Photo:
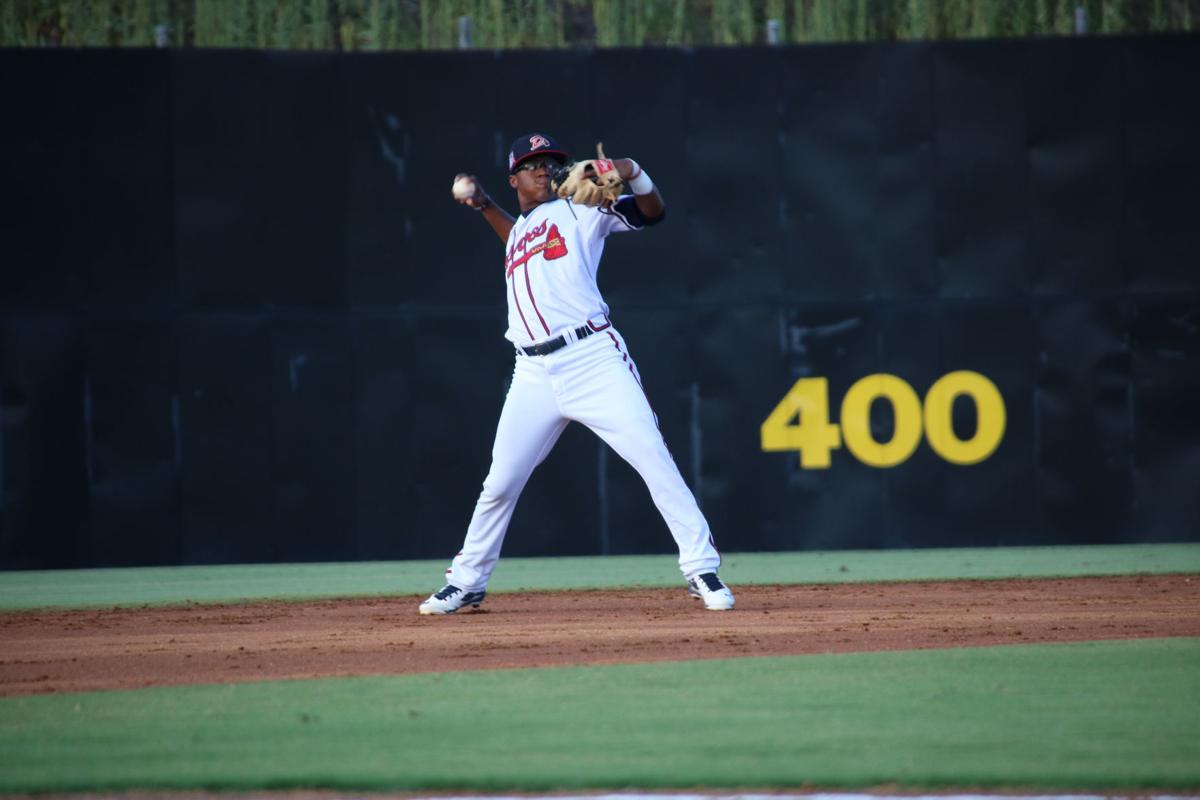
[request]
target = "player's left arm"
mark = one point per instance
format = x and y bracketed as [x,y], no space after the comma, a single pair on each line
[645,194]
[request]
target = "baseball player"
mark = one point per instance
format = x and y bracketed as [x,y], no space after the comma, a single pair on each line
[571,362]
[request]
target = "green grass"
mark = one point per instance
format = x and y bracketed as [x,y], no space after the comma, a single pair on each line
[1113,715]
[174,585]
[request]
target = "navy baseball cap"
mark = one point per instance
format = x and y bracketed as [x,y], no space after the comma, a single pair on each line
[533,144]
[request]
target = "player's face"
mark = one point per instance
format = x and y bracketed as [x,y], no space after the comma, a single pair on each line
[532,179]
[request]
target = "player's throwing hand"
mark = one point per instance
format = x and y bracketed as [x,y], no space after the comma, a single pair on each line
[469,191]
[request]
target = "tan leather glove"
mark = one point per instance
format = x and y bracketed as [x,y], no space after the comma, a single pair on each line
[594,182]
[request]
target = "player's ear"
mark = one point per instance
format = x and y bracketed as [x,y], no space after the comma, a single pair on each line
[512,181]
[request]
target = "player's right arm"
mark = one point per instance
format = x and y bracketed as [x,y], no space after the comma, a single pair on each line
[500,220]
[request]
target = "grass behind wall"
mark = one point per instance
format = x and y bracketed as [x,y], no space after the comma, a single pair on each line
[375,25]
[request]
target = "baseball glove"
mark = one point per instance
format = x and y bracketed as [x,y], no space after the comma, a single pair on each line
[594,182]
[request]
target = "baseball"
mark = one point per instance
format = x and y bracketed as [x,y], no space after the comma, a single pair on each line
[463,188]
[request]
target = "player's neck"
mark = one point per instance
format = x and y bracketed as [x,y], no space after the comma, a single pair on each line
[528,204]
[533,195]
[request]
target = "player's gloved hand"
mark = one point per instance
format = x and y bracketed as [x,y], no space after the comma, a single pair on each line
[594,182]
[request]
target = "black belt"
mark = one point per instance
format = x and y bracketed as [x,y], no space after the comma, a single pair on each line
[557,343]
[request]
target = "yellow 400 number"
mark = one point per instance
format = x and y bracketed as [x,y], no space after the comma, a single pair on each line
[807,404]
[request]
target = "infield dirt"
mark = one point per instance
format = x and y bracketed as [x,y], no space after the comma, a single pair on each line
[123,648]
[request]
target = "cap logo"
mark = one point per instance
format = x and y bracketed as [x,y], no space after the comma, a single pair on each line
[538,141]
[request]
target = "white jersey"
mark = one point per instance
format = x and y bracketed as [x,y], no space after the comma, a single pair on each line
[550,264]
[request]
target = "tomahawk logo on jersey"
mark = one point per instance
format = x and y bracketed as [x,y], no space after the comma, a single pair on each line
[550,248]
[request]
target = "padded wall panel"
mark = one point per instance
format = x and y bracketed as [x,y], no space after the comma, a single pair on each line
[132,404]
[413,123]
[1075,176]
[312,400]
[125,219]
[227,439]
[1161,167]
[260,179]
[387,387]
[735,168]
[1083,406]
[46,188]
[87,203]
[827,207]
[981,169]
[1165,340]
[998,342]
[905,198]
[45,458]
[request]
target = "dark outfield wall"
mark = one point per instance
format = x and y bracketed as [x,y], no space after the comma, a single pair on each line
[242,319]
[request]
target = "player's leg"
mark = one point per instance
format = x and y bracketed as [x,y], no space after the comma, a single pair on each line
[529,426]
[606,395]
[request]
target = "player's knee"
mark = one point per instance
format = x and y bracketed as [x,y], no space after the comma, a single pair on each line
[502,485]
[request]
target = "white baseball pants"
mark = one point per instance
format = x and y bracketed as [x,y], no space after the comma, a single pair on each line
[592,381]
